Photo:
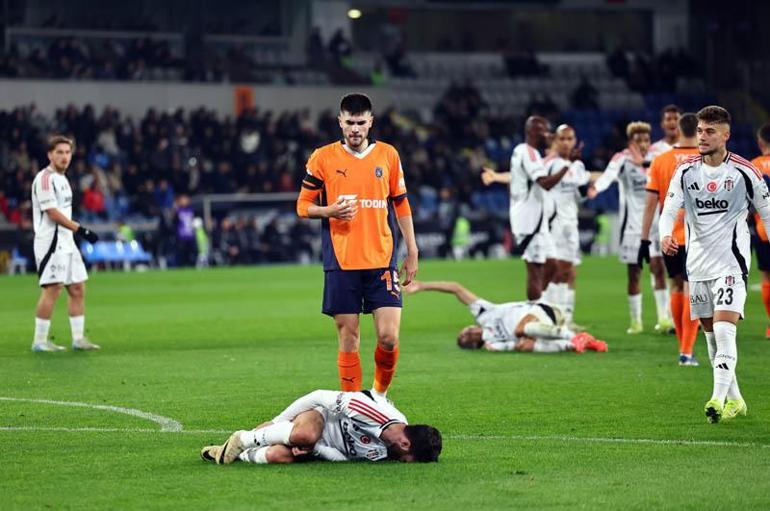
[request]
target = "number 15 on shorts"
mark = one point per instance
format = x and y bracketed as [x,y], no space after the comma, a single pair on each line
[390,277]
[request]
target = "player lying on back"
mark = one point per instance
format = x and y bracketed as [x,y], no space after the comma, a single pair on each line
[333,426]
[512,326]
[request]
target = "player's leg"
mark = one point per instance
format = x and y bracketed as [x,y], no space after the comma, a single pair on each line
[76,302]
[387,323]
[634,299]
[535,281]
[550,281]
[535,254]
[348,357]
[49,293]
[762,249]
[657,269]
[343,297]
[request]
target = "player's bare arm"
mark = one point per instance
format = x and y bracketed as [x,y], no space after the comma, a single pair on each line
[548,182]
[343,209]
[464,295]
[409,266]
[490,176]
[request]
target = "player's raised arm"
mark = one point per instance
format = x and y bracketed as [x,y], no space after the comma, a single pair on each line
[490,176]
[674,202]
[609,176]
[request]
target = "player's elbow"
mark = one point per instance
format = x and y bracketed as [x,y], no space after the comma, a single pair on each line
[302,208]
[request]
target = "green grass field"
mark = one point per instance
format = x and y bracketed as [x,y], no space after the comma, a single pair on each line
[224,349]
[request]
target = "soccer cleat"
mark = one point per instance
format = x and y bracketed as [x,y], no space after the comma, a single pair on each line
[580,341]
[665,325]
[635,328]
[210,452]
[713,410]
[231,450]
[767,333]
[733,408]
[688,361]
[85,345]
[47,346]
[596,345]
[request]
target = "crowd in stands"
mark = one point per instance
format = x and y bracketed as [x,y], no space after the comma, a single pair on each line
[653,73]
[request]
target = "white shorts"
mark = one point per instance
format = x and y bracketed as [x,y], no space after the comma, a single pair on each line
[566,242]
[61,268]
[726,293]
[539,246]
[629,248]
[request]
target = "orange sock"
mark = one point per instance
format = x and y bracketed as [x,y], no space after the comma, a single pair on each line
[766,296]
[677,304]
[349,368]
[689,330]
[384,367]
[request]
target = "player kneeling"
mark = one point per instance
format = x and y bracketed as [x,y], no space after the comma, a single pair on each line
[333,426]
[512,326]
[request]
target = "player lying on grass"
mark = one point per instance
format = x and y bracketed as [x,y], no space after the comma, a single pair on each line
[334,426]
[512,326]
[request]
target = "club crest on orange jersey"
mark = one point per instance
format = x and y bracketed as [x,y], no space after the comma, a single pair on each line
[712,186]
[728,184]
[378,171]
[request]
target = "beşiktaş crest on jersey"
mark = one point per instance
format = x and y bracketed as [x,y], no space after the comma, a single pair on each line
[729,280]
[729,184]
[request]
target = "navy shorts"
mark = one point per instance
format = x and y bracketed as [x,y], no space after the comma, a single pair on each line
[360,291]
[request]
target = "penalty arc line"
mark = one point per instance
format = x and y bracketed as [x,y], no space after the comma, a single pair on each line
[515,438]
[165,423]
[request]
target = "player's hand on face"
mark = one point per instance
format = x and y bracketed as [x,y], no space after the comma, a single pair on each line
[343,209]
[300,451]
[577,152]
[669,246]
[487,176]
[636,154]
[408,269]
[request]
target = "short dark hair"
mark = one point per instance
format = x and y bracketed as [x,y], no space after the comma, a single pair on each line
[356,103]
[425,442]
[714,115]
[55,140]
[688,125]
[670,108]
[763,133]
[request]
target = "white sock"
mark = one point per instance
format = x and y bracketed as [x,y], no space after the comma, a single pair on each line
[542,346]
[273,434]
[549,293]
[711,346]
[734,392]
[635,307]
[545,331]
[725,359]
[661,303]
[41,330]
[256,455]
[77,326]
[569,305]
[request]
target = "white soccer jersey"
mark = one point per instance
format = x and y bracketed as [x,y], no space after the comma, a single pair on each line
[499,321]
[565,195]
[716,202]
[658,148]
[355,424]
[632,179]
[50,189]
[530,204]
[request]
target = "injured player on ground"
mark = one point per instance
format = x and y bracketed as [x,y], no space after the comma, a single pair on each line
[334,426]
[513,326]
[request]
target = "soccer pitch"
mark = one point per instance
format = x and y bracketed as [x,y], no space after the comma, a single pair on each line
[214,351]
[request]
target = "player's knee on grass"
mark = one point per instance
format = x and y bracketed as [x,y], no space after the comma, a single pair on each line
[307,430]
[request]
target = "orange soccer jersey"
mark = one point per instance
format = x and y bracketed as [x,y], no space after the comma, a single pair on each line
[375,179]
[659,177]
[763,164]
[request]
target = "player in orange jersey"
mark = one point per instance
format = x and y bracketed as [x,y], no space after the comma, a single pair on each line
[761,245]
[661,171]
[361,193]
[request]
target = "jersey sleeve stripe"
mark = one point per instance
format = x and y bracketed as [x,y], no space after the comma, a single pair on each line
[314,180]
[46,179]
[368,411]
[532,155]
[310,186]
[738,161]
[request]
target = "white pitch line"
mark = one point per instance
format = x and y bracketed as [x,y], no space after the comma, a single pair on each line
[520,438]
[165,423]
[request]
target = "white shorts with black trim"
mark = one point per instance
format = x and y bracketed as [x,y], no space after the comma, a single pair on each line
[537,247]
[726,293]
[56,267]
[566,242]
